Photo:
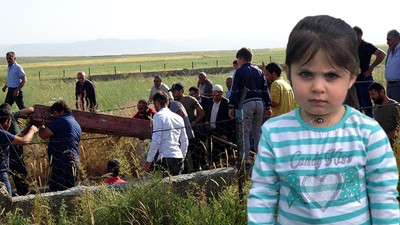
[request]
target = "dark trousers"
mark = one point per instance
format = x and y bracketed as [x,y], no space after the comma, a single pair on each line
[196,157]
[18,169]
[363,96]
[171,165]
[393,90]
[63,178]
[217,148]
[10,98]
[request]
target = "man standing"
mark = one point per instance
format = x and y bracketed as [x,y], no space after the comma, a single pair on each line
[257,100]
[159,86]
[169,138]
[85,90]
[282,97]
[365,78]
[190,103]
[195,93]
[235,67]
[228,83]
[65,134]
[204,85]
[217,114]
[218,122]
[386,111]
[196,153]
[392,70]
[16,79]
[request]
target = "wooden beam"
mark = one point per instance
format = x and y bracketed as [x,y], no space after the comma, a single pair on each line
[98,123]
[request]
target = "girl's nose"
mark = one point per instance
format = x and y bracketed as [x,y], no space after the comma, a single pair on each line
[318,85]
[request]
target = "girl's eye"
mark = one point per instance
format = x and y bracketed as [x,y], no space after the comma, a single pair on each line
[306,75]
[331,76]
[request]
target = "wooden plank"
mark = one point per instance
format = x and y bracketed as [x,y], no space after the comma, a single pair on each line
[98,123]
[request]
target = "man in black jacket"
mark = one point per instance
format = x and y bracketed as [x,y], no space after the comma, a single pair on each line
[85,91]
[218,122]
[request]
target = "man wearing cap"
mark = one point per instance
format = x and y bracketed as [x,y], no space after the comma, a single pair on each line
[218,122]
[16,79]
[204,85]
[190,103]
[197,155]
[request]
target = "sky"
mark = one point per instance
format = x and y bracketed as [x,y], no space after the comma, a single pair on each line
[251,23]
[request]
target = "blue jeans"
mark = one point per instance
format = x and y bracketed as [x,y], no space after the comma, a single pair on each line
[252,120]
[4,179]
[363,96]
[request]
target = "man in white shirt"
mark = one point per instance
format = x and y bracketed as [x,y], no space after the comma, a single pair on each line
[159,86]
[169,138]
[218,122]
[205,86]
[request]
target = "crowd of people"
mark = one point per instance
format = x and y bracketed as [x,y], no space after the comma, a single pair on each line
[318,133]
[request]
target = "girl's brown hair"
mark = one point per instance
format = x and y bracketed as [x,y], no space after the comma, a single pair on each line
[331,35]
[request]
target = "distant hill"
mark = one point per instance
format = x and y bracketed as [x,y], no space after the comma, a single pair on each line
[90,48]
[120,47]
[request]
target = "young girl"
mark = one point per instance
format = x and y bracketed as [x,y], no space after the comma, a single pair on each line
[113,166]
[327,162]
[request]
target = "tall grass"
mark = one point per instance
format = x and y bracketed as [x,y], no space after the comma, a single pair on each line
[154,202]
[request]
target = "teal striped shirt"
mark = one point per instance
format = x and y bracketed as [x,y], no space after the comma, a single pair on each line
[342,174]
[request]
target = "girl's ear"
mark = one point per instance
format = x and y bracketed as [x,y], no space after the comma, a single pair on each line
[352,80]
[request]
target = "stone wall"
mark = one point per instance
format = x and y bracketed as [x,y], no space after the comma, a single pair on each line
[184,72]
[212,181]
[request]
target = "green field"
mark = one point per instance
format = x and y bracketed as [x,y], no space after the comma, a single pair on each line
[116,94]
[54,67]
[119,93]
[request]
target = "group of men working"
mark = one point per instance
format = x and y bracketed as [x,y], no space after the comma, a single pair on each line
[206,114]
[182,123]
[63,133]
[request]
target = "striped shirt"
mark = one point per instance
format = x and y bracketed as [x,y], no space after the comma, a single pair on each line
[342,174]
